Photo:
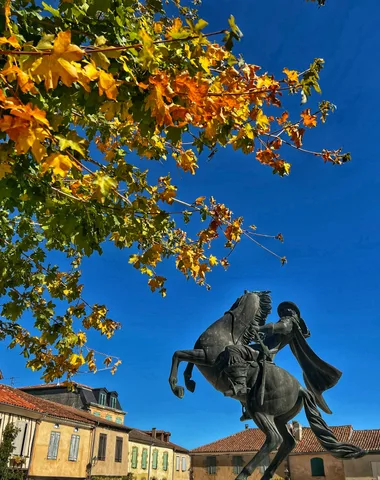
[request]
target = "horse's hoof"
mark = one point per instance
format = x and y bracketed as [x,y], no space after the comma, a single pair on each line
[179,391]
[190,385]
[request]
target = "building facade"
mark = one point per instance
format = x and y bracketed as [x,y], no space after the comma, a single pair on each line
[60,442]
[225,458]
[153,457]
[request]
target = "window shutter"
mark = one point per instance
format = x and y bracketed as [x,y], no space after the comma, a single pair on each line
[317,467]
[134,457]
[177,463]
[184,464]
[144,459]
[53,445]
[102,447]
[74,448]
[237,462]
[119,449]
[20,439]
[155,459]
[211,465]
[165,461]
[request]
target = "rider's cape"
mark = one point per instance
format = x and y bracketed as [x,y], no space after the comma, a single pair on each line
[318,375]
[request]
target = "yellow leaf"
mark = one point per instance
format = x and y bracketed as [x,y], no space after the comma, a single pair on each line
[107,85]
[200,200]
[7,12]
[60,164]
[213,260]
[291,74]
[12,40]
[187,161]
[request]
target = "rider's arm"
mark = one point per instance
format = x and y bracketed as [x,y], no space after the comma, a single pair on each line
[284,326]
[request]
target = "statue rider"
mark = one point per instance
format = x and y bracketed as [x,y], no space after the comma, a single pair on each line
[289,330]
[276,336]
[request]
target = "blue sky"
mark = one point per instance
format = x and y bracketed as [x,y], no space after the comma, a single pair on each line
[328,216]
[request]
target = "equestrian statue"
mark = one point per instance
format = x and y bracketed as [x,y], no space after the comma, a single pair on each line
[236,355]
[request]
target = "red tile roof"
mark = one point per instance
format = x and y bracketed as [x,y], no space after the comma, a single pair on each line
[53,385]
[310,444]
[18,398]
[251,440]
[367,439]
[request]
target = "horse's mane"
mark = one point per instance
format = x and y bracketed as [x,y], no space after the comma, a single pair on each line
[245,326]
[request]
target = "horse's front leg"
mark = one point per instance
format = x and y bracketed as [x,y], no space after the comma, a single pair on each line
[198,357]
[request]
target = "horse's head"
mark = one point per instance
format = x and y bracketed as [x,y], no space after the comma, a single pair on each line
[250,310]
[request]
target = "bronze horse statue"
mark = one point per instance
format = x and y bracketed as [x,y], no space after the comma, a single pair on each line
[273,398]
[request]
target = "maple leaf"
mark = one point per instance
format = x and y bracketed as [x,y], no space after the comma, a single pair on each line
[291,74]
[283,118]
[60,64]
[24,81]
[213,260]
[59,163]
[155,101]
[107,85]
[187,161]
[12,40]
[5,168]
[308,119]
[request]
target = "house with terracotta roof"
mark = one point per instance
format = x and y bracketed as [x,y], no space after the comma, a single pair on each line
[153,456]
[225,458]
[101,402]
[61,442]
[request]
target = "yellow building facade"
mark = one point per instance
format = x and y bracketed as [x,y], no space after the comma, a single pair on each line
[61,450]
[154,457]
[109,453]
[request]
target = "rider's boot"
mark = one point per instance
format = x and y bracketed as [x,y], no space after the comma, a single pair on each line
[237,374]
[245,415]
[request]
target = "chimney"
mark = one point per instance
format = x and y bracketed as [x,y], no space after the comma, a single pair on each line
[246,426]
[297,430]
[154,434]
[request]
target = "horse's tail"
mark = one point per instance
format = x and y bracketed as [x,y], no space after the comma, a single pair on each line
[190,384]
[324,434]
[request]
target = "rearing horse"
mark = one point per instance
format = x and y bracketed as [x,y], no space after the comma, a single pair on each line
[283,397]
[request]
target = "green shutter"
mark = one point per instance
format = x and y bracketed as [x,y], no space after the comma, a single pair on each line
[155,459]
[134,457]
[317,467]
[165,461]
[144,459]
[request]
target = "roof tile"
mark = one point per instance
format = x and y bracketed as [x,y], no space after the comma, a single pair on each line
[251,440]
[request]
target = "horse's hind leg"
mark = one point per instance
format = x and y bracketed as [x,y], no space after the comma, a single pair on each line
[273,440]
[197,356]
[288,443]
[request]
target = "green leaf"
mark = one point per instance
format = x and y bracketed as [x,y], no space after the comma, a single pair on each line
[52,10]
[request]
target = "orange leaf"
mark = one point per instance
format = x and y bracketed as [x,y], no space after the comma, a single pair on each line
[107,85]
[60,164]
[308,119]
[283,118]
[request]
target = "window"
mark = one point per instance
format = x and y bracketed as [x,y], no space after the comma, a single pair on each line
[102,447]
[211,465]
[113,402]
[119,449]
[177,463]
[144,459]
[165,461]
[74,448]
[134,457]
[317,467]
[237,463]
[376,470]
[155,459]
[184,464]
[97,414]
[19,441]
[119,420]
[109,417]
[53,446]
[102,398]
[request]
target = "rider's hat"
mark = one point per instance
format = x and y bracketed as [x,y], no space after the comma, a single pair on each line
[295,309]
[290,305]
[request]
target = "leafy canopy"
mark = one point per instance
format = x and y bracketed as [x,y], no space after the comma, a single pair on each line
[86,88]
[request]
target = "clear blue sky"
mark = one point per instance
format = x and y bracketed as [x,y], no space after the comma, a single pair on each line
[329,217]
